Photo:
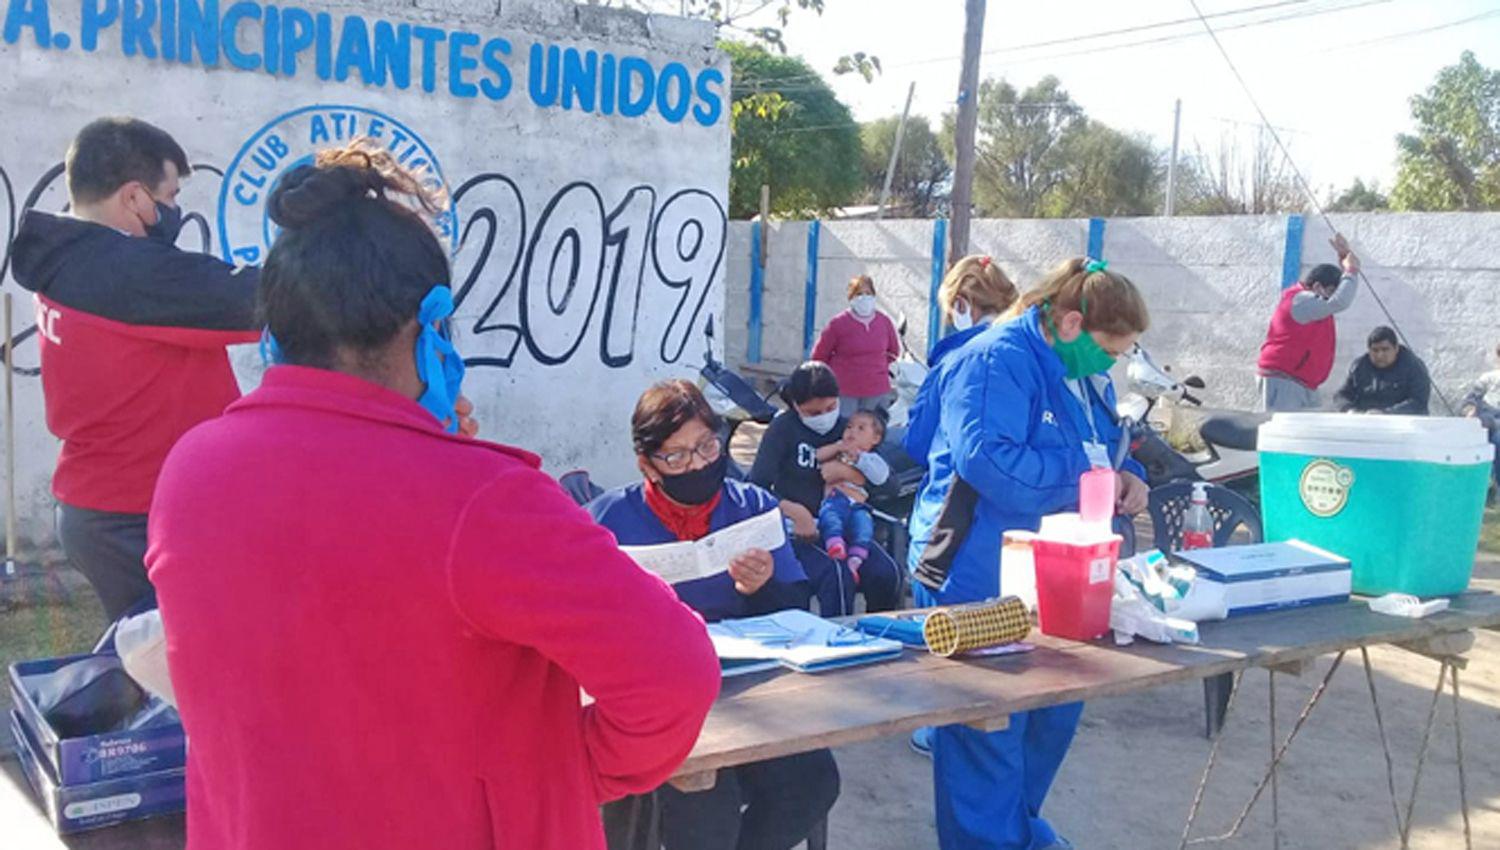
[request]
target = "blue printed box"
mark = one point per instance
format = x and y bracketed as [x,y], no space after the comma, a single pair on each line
[77,808]
[94,758]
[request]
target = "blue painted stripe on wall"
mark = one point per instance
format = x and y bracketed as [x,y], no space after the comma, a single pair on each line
[757,288]
[1291,258]
[810,298]
[1096,238]
[939,268]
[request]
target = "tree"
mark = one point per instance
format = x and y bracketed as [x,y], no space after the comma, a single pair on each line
[1104,172]
[921,169]
[1020,146]
[1359,198]
[1224,183]
[1041,156]
[1452,162]
[789,132]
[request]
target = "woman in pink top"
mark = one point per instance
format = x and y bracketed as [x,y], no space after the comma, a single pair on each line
[379,630]
[860,344]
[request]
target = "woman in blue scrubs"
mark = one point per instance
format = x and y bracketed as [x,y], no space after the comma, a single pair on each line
[972,295]
[684,495]
[1027,408]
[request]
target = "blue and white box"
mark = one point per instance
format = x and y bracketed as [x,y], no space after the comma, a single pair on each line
[75,808]
[1271,576]
[93,758]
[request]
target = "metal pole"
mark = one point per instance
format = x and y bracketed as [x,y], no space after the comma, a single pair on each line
[10,444]
[890,170]
[966,131]
[1172,163]
[765,223]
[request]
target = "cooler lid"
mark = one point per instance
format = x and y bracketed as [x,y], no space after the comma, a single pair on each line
[1430,439]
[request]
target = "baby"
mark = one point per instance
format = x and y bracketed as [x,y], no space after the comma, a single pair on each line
[845,524]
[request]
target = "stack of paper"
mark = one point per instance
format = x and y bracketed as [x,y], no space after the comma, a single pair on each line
[711,555]
[795,639]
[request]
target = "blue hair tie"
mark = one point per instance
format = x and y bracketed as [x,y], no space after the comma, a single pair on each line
[1093,266]
[270,351]
[438,363]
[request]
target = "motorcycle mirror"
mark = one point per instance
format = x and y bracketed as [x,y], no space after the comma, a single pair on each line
[901,328]
[1132,407]
[708,329]
[1195,382]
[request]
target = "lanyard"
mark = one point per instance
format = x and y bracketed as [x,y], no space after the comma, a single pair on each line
[1080,391]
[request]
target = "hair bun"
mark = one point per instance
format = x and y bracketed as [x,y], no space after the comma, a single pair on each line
[309,192]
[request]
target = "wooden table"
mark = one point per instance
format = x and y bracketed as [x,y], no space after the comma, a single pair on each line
[774,714]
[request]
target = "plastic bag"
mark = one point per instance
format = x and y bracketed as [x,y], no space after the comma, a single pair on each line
[141,643]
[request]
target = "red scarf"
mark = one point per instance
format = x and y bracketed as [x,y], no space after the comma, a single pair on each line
[686,522]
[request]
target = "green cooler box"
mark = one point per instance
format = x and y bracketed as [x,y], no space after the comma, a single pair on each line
[1402,497]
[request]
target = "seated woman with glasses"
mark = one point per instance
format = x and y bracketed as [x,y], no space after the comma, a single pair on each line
[684,496]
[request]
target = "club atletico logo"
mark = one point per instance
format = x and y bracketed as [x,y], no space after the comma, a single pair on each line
[246,231]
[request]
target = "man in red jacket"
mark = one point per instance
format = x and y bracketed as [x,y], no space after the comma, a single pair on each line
[132,333]
[1298,353]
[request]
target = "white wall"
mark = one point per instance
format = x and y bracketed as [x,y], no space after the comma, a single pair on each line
[1211,283]
[556,374]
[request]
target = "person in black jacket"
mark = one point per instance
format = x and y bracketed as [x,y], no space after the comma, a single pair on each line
[789,463]
[132,333]
[1387,379]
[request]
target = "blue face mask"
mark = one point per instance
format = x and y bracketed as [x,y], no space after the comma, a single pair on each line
[438,363]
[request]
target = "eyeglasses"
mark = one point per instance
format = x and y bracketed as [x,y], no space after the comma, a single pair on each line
[709,449]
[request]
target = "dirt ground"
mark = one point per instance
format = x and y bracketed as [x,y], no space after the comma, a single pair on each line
[1129,781]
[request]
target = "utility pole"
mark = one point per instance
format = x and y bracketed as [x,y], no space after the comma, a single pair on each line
[1172,163]
[890,170]
[965,132]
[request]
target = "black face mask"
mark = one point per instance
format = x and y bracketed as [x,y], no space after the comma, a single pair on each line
[698,486]
[168,224]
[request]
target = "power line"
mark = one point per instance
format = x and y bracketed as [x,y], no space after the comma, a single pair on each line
[1070,39]
[808,79]
[1424,31]
[1302,181]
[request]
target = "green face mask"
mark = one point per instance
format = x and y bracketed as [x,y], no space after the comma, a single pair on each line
[1081,357]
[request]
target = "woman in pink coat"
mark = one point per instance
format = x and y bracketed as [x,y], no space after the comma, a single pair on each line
[860,344]
[379,630]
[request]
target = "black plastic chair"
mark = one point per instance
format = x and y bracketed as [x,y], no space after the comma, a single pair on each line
[1233,514]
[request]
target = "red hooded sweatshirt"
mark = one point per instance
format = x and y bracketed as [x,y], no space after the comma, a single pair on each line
[378,633]
[132,334]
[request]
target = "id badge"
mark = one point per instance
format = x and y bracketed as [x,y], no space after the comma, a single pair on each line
[1098,455]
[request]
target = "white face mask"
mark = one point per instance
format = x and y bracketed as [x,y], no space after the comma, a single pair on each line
[863,306]
[962,321]
[822,423]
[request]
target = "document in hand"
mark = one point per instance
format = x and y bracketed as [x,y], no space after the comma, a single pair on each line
[708,556]
[795,639]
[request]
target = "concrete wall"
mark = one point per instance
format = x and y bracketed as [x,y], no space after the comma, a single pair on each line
[632,186]
[1211,283]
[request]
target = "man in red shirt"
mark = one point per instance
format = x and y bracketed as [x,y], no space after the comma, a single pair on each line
[1298,353]
[132,333]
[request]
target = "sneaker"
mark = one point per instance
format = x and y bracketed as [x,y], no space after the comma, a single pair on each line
[855,562]
[921,741]
[835,549]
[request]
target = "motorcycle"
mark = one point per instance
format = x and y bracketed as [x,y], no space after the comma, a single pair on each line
[1228,456]
[730,396]
[907,374]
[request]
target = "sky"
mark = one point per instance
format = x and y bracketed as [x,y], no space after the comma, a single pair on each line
[1335,76]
